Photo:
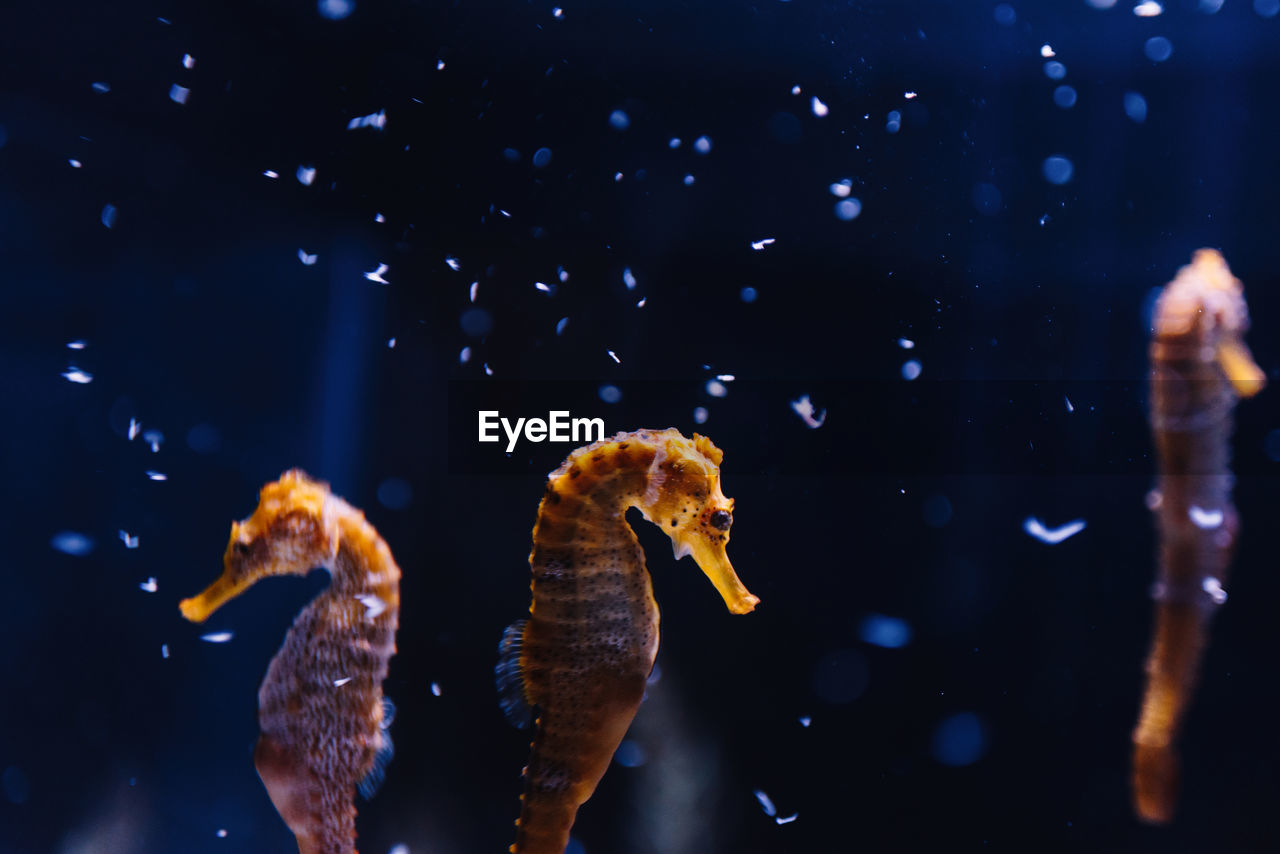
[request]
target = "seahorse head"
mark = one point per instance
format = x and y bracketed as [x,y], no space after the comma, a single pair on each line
[289,534]
[685,500]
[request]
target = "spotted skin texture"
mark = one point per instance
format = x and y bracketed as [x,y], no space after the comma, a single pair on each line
[1200,367]
[319,738]
[592,635]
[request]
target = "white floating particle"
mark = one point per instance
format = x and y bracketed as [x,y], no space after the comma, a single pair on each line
[641,303]
[805,409]
[188,61]
[435,689]
[377,217]
[619,120]
[805,721]
[222,833]
[1149,9]
[557,12]
[628,279]
[911,369]
[109,214]
[401,848]
[787,819]
[307,259]
[488,371]
[338,683]
[1070,408]
[475,288]
[688,180]
[164,650]
[155,439]
[562,274]
[617,177]
[305,175]
[1047,52]
[544,287]
[72,543]
[715,388]
[373,605]
[700,415]
[75,164]
[150,585]
[391,344]
[1052,536]
[101,87]
[155,475]
[766,803]
[848,210]
[1213,587]
[76,375]
[726,378]
[135,427]
[906,344]
[179,94]
[440,65]
[377,121]
[614,356]
[78,344]
[893,123]
[1205,519]
[453,262]
[376,275]
[909,95]
[271,173]
[464,356]
[217,637]
[819,109]
[795,90]
[130,540]
[762,243]
[841,188]
[561,324]
[702,144]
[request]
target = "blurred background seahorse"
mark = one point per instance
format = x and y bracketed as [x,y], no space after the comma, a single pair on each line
[584,653]
[1200,366]
[320,708]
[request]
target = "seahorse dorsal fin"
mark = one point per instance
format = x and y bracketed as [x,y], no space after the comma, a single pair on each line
[368,787]
[510,678]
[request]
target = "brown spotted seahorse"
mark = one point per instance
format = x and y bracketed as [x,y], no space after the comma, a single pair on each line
[584,653]
[320,708]
[1200,366]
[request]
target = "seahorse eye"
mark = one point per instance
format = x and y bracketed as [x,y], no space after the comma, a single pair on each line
[241,549]
[721,520]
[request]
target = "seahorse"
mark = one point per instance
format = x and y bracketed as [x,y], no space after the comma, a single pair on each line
[323,718]
[583,655]
[1200,366]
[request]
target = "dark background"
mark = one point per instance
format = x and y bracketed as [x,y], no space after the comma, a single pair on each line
[201,322]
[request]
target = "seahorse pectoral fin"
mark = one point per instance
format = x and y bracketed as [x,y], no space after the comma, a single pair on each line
[714,562]
[1242,372]
[509,676]
[198,608]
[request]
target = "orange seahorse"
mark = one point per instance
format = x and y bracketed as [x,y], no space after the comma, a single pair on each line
[584,653]
[320,708]
[1200,366]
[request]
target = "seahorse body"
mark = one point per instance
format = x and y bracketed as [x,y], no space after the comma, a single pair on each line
[1200,365]
[320,707]
[589,644]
